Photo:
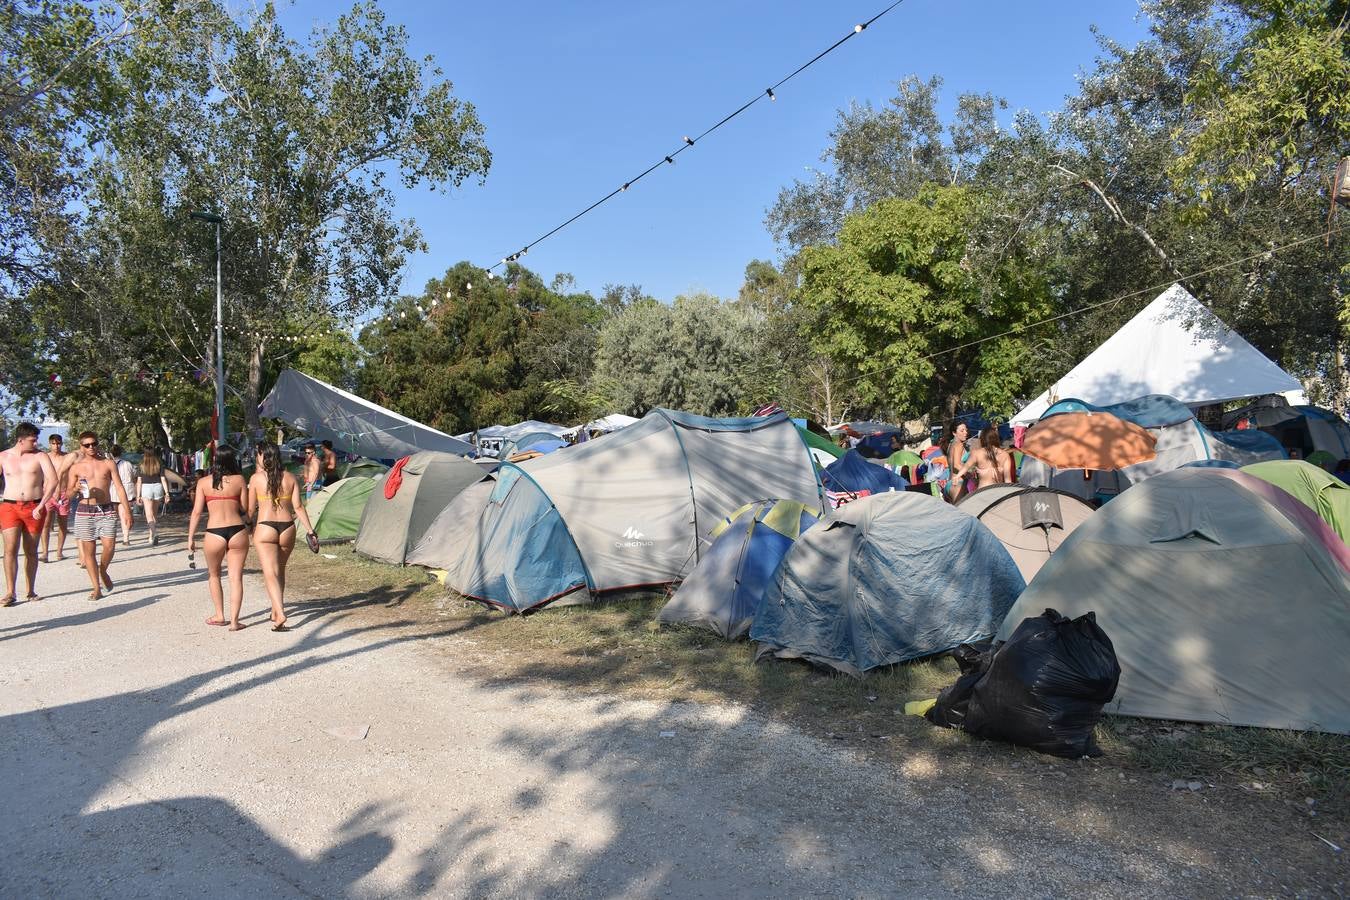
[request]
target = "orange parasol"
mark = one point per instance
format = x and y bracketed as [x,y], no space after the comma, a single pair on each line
[1088,440]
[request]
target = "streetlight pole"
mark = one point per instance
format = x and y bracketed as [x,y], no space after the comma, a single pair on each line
[220,341]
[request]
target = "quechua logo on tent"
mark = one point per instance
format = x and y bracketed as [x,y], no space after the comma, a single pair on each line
[633,538]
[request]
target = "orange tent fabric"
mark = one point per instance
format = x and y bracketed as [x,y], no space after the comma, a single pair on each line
[1088,440]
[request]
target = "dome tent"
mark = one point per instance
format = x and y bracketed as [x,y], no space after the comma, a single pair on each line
[335,512]
[1305,428]
[443,542]
[392,525]
[1220,608]
[1322,492]
[726,586]
[1030,522]
[886,579]
[626,511]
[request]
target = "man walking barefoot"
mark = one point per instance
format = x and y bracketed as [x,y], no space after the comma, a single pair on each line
[58,506]
[30,481]
[91,483]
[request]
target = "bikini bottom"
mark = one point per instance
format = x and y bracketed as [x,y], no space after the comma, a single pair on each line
[226,532]
[280,527]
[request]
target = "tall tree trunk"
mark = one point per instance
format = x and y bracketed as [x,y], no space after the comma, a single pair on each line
[253,388]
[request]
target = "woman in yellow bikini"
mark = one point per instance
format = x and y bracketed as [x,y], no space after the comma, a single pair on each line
[221,495]
[274,497]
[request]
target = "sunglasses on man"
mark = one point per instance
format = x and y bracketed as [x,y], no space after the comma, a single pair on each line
[89,444]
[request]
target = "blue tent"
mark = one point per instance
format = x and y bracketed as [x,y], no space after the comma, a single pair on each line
[852,473]
[889,578]
[723,591]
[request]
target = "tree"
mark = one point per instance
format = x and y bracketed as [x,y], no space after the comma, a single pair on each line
[696,354]
[472,351]
[292,144]
[900,302]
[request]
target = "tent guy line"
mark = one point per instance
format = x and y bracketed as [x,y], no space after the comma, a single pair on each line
[689,142]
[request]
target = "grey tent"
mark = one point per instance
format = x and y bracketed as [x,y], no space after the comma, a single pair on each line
[885,579]
[443,542]
[625,511]
[1031,522]
[390,527]
[1221,608]
[353,424]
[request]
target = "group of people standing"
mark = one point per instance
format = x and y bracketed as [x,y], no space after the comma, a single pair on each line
[989,461]
[91,494]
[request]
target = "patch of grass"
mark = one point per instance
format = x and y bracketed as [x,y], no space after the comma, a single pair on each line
[1305,761]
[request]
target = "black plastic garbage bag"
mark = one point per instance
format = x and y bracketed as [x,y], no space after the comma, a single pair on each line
[949,710]
[1045,688]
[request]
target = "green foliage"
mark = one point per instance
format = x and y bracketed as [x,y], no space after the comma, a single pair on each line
[1276,104]
[900,300]
[473,351]
[697,354]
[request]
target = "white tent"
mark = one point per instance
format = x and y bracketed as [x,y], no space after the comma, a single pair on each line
[1174,346]
[353,424]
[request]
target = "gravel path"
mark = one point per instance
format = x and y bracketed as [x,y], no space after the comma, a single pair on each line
[148,754]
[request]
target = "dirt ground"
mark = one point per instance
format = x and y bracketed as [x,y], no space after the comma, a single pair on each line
[399,742]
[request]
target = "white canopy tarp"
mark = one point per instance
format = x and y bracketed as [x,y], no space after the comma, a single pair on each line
[353,424]
[1174,346]
[605,424]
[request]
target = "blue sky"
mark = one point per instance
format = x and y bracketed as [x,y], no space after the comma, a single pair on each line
[578,97]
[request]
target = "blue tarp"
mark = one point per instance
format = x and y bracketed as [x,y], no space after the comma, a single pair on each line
[852,472]
[889,578]
[1149,411]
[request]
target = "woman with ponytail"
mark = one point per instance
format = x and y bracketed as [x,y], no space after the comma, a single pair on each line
[274,498]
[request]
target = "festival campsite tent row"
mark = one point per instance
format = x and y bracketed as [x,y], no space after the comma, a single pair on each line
[625,511]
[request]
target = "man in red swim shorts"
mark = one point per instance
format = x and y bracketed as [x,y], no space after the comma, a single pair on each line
[30,481]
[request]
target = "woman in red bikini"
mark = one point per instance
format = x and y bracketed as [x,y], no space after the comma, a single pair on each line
[274,498]
[221,495]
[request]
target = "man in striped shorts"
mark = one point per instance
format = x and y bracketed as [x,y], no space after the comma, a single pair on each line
[90,483]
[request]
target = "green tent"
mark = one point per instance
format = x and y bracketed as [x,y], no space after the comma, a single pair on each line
[816,442]
[335,512]
[361,466]
[1328,496]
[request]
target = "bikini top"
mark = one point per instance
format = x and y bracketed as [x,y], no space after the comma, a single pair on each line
[209,497]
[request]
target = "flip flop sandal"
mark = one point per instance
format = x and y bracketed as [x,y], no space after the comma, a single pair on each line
[7,601]
[282,626]
[32,598]
[214,621]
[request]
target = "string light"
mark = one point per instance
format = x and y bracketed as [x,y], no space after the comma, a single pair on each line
[689,142]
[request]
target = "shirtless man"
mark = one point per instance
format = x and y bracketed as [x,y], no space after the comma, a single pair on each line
[329,463]
[91,483]
[58,507]
[313,471]
[30,481]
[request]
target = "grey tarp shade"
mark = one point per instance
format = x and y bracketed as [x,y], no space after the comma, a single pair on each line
[1030,522]
[392,527]
[1219,607]
[353,425]
[885,579]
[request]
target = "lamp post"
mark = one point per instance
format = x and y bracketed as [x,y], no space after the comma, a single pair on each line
[216,220]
